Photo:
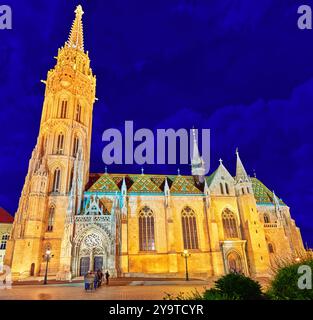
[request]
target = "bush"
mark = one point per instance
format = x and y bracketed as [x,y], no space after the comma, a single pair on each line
[230,287]
[284,286]
[215,294]
[236,287]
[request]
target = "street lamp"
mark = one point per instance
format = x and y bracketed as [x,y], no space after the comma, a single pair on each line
[47,256]
[186,255]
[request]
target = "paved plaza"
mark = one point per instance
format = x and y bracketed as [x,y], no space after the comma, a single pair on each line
[133,290]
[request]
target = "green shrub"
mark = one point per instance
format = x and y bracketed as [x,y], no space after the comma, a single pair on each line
[284,286]
[237,287]
[215,294]
[194,295]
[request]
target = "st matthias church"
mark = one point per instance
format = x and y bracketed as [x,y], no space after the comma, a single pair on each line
[133,224]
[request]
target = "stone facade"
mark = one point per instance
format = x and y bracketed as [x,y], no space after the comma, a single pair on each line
[134,225]
[6,221]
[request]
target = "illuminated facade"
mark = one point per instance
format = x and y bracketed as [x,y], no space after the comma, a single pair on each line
[133,225]
[6,221]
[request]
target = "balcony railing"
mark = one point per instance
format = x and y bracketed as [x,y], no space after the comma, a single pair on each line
[93,219]
[270,225]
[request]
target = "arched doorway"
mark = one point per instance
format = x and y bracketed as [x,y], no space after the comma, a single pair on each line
[93,250]
[84,266]
[98,263]
[234,262]
[32,269]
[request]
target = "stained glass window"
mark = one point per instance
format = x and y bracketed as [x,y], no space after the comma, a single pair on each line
[189,224]
[146,229]
[229,224]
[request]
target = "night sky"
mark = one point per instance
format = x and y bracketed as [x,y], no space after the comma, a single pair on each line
[241,68]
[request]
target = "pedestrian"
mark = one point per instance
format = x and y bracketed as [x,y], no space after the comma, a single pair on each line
[95,280]
[86,281]
[100,277]
[107,276]
[90,278]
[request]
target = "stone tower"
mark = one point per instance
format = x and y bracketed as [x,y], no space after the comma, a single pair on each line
[59,167]
[251,227]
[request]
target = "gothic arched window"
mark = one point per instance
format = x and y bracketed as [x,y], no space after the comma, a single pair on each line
[63,112]
[4,240]
[146,229]
[71,179]
[229,224]
[270,248]
[266,218]
[189,224]
[51,219]
[60,144]
[56,180]
[222,188]
[227,188]
[78,112]
[75,145]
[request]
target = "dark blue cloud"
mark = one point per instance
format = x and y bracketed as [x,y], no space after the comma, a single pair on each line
[239,67]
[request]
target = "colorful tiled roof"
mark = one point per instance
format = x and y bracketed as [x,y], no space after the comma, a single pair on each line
[104,183]
[145,183]
[184,184]
[262,193]
[5,217]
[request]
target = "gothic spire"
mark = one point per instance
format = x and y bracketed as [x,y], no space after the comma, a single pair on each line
[241,173]
[197,163]
[76,37]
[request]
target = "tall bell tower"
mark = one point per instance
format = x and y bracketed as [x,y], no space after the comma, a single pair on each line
[64,136]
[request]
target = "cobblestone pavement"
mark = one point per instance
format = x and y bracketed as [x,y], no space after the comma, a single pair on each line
[75,291]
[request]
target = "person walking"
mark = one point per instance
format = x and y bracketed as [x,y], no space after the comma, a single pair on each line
[107,276]
[95,280]
[99,277]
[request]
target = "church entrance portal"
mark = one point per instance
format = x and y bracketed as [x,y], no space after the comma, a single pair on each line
[234,263]
[98,263]
[84,265]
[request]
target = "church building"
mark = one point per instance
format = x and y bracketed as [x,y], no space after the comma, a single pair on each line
[134,224]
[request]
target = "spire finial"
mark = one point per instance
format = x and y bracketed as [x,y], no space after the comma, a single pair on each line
[76,37]
[106,170]
[241,174]
[178,172]
[79,10]
[221,161]
[142,170]
[194,134]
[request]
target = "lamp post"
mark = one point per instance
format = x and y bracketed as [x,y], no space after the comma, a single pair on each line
[186,255]
[47,257]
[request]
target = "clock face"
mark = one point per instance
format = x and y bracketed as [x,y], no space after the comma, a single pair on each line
[92,240]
